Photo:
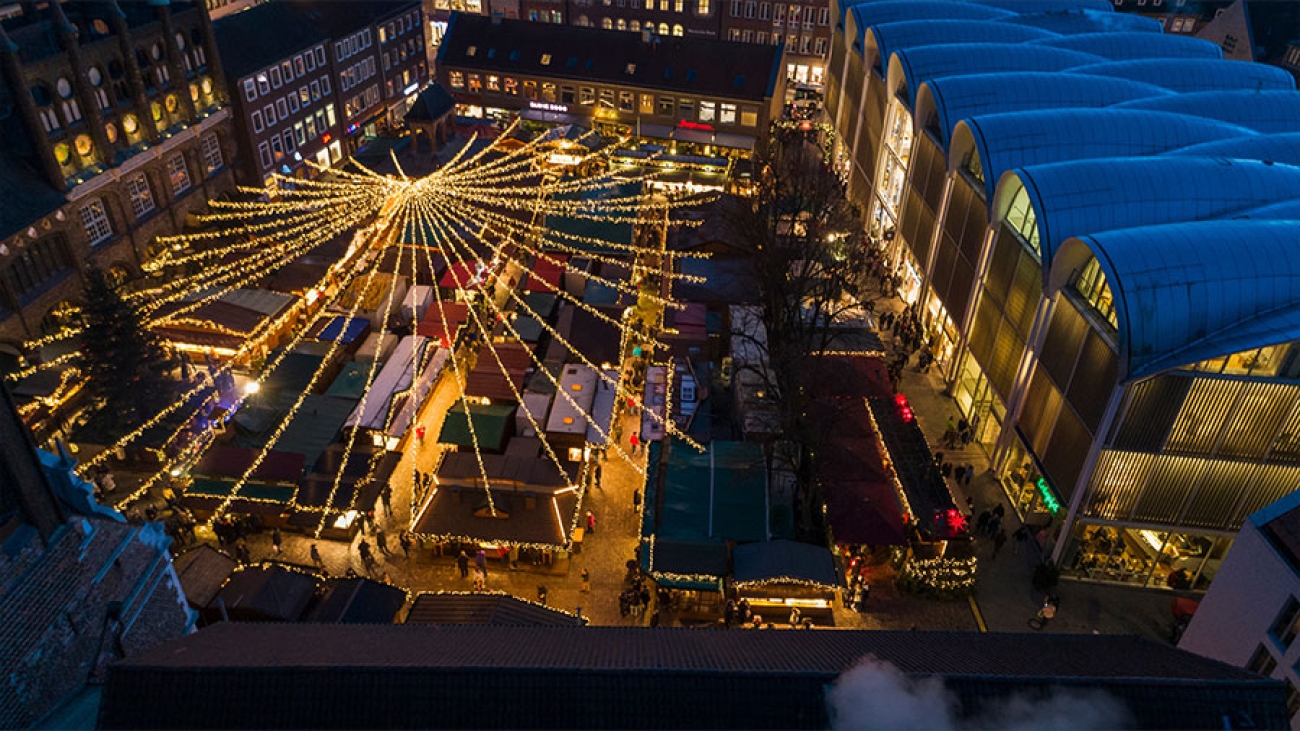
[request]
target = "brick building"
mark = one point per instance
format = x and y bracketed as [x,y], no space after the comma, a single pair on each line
[79,586]
[314,81]
[114,130]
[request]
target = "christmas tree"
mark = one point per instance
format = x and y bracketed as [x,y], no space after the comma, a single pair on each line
[125,365]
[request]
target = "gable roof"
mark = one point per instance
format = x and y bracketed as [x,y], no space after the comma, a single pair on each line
[358,601]
[494,608]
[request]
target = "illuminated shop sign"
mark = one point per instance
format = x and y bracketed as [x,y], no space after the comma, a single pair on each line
[548,107]
[1049,500]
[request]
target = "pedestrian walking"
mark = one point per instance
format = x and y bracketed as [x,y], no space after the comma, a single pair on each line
[999,540]
[970,474]
[381,541]
[480,561]
[586,581]
[995,524]
[982,522]
[635,441]
[276,540]
[367,559]
[541,594]
[1021,535]
[591,523]
[795,616]
[480,580]
[386,497]
[405,540]
[595,474]
[958,473]
[315,557]
[636,499]
[462,563]
[419,434]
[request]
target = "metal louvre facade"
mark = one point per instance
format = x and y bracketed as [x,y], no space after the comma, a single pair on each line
[1098,223]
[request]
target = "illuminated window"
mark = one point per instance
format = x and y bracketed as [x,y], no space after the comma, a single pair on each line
[708,111]
[678,30]
[212,153]
[95,220]
[1092,286]
[568,420]
[702,7]
[728,115]
[456,79]
[546,59]
[137,186]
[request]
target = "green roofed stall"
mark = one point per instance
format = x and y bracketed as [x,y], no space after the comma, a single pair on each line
[208,487]
[594,228]
[492,425]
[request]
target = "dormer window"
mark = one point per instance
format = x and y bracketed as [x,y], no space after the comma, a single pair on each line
[471,51]
[546,59]
[631,69]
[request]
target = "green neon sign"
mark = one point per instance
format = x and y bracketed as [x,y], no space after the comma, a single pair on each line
[1049,500]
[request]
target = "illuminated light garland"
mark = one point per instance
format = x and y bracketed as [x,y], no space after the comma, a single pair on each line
[784,580]
[181,458]
[499,592]
[943,574]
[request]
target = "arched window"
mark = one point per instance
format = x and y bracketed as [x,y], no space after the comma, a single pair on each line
[117,275]
[621,24]
[606,23]
[663,29]
[636,26]
[678,30]
[1091,284]
[1022,219]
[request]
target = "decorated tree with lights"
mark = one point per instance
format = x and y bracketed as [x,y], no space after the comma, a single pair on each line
[798,230]
[124,364]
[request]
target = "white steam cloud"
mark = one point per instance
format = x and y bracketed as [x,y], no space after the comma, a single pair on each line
[876,696]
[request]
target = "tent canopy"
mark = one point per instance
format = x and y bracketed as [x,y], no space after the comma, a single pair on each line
[491,426]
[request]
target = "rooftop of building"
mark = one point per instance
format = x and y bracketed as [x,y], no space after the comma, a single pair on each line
[684,64]
[291,675]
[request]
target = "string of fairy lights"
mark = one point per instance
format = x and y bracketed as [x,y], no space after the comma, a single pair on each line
[485,210]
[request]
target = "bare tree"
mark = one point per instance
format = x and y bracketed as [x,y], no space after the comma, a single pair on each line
[800,232]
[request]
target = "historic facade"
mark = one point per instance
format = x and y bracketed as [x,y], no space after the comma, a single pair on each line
[118,131]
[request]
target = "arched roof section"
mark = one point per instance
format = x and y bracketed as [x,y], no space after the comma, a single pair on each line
[1019,139]
[1188,292]
[1288,210]
[1088,21]
[1263,111]
[1049,6]
[882,41]
[1283,148]
[915,66]
[944,102]
[1126,45]
[1195,74]
[869,14]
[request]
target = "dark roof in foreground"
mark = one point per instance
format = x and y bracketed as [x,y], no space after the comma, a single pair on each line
[683,64]
[485,608]
[337,676]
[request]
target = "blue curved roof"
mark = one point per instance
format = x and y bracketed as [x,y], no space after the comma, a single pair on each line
[1187,292]
[1019,139]
[868,14]
[1263,111]
[958,97]
[1195,74]
[1088,21]
[920,64]
[1122,45]
[1081,197]
[892,37]
[1288,210]
[1283,148]
[1049,6]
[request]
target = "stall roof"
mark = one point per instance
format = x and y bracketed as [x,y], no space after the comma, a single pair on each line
[351,492]
[203,571]
[227,461]
[541,304]
[281,389]
[462,512]
[595,338]
[487,380]
[491,426]
[442,322]
[569,412]
[396,375]
[315,426]
[351,381]
[602,410]
[546,273]
[774,561]
[461,275]
[206,487]
[358,601]
[271,593]
[496,608]
[332,329]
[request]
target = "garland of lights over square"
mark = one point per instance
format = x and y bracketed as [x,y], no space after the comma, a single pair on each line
[476,212]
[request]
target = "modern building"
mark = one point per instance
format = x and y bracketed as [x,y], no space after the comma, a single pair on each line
[346,676]
[1090,213]
[1251,616]
[315,81]
[711,97]
[114,130]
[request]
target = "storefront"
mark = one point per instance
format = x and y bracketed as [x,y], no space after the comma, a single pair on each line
[1032,495]
[978,403]
[1147,557]
[942,329]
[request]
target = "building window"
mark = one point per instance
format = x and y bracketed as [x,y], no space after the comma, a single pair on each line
[708,111]
[325,85]
[586,95]
[548,91]
[665,106]
[636,26]
[821,47]
[36,266]
[268,112]
[530,90]
[747,36]
[621,24]
[289,145]
[212,160]
[824,16]
[728,115]
[734,35]
[137,186]
[1287,625]
[679,6]
[606,24]
[293,102]
[546,59]
[1262,662]
[686,108]
[250,90]
[510,84]
[607,99]
[568,95]
[749,9]
[94,218]
[748,118]
[626,101]
[258,126]
[663,29]
[475,84]
[281,108]
[762,38]
[493,83]
[263,86]
[702,7]
[277,148]
[735,8]
[678,30]
[647,104]
[179,174]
